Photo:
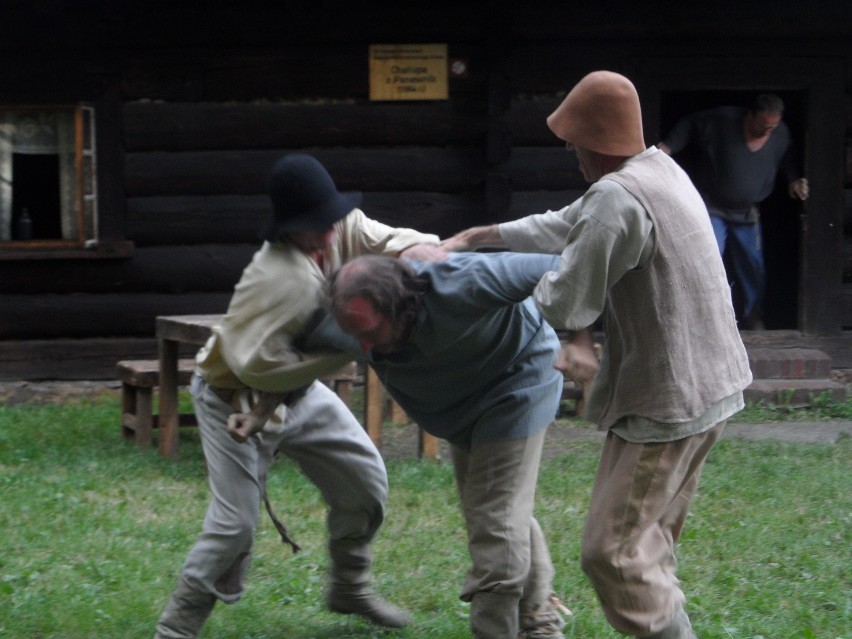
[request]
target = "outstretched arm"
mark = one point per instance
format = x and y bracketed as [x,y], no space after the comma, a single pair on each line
[425,253]
[474,237]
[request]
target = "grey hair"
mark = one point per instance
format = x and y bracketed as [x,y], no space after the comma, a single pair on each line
[390,284]
[767,103]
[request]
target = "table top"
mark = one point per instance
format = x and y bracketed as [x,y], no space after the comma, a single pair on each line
[193,329]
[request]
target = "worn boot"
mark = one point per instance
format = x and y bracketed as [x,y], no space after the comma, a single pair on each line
[350,591]
[678,628]
[185,613]
[545,622]
[494,615]
[362,600]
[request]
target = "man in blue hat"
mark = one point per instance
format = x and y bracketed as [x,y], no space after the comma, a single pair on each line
[314,230]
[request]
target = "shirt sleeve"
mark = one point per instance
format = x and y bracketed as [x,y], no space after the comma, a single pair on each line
[613,235]
[542,232]
[270,308]
[361,235]
[505,278]
[678,137]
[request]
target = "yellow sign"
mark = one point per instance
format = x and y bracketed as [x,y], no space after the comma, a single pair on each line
[408,72]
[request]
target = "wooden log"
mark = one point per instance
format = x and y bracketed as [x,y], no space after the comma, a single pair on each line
[450,170]
[544,168]
[529,202]
[91,315]
[152,126]
[223,219]
[157,269]
[71,359]
[527,121]
[190,219]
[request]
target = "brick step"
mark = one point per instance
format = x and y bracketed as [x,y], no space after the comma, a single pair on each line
[788,363]
[793,392]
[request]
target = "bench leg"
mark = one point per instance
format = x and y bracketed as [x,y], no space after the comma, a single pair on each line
[427,445]
[144,417]
[343,389]
[128,411]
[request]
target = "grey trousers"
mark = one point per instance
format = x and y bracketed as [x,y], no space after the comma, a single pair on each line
[510,560]
[331,448]
[639,503]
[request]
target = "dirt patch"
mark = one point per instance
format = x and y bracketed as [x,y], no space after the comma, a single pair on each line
[41,393]
[400,441]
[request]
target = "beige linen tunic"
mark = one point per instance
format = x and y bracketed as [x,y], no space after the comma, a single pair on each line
[278,293]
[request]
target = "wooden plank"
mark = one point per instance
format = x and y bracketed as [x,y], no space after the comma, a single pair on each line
[822,245]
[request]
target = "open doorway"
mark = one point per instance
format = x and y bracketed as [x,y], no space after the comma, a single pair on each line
[780,215]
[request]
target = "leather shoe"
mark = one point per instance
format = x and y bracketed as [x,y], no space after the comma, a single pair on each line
[371,607]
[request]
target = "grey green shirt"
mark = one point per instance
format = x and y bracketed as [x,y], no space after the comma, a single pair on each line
[480,364]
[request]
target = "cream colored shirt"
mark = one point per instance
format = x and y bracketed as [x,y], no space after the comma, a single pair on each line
[278,293]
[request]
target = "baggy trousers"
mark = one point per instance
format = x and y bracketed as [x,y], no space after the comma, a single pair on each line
[331,448]
[639,503]
[511,569]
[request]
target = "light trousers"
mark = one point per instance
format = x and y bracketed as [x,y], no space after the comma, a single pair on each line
[639,503]
[496,482]
[330,447]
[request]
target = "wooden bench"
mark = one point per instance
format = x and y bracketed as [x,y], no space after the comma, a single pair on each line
[138,379]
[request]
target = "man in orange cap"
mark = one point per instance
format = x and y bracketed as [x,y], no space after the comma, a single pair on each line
[638,248]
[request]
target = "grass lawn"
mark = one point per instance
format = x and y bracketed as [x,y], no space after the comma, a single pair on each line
[95,532]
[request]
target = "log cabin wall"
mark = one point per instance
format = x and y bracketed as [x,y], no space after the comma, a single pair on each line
[195,104]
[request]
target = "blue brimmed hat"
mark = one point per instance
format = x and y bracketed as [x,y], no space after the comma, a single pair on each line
[304,197]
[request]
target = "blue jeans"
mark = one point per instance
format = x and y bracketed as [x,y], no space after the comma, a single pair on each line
[745,251]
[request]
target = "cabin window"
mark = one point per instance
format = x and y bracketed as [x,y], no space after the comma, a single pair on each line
[48,178]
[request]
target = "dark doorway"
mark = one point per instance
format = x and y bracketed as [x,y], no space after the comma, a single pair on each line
[780,215]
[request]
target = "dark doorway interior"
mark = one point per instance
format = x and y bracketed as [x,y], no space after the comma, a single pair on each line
[780,215]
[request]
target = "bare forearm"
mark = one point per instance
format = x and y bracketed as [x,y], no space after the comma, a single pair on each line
[474,237]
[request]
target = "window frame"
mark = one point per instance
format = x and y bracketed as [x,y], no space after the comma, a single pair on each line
[87,243]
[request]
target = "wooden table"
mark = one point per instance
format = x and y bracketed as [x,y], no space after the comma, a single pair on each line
[173,330]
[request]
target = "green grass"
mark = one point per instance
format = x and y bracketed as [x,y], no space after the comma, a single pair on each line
[822,407]
[95,532]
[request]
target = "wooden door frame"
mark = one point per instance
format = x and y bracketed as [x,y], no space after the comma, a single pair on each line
[821,82]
